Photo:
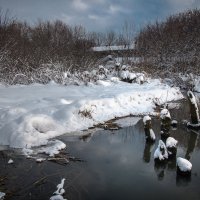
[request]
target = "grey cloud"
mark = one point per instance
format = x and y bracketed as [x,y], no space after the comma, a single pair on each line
[97,15]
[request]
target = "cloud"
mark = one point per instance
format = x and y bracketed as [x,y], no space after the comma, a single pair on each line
[80,5]
[113,9]
[97,15]
[93,17]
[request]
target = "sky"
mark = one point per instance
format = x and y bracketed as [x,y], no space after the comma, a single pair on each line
[97,15]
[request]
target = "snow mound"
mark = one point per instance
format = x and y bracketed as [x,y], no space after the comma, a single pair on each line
[104,83]
[183,164]
[35,130]
[47,111]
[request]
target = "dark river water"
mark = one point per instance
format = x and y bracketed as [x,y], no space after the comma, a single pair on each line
[114,165]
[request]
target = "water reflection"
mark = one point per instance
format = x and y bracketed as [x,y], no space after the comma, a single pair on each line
[182,180]
[159,168]
[171,164]
[147,151]
[191,144]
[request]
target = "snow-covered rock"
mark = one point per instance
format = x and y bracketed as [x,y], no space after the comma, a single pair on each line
[161,151]
[183,165]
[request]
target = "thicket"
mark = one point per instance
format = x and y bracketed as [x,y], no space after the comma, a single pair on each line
[172,45]
[42,52]
[48,50]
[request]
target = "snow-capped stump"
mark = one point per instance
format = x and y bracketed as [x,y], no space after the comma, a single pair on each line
[171,145]
[161,153]
[194,111]
[174,123]
[184,167]
[149,133]
[10,161]
[165,118]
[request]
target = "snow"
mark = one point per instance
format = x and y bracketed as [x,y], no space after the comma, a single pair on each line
[197,84]
[52,148]
[2,195]
[192,98]
[174,122]
[126,74]
[32,115]
[39,160]
[104,83]
[10,161]
[171,142]
[152,134]
[165,114]
[113,48]
[57,195]
[194,102]
[183,164]
[158,153]
[115,79]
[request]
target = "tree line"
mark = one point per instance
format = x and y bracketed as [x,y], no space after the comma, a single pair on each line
[29,49]
[173,43]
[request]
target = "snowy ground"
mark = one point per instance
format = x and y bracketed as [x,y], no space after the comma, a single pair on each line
[33,115]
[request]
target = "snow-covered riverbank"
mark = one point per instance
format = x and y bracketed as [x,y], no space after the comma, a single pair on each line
[31,115]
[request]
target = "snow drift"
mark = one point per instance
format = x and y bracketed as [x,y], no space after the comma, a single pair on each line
[31,115]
